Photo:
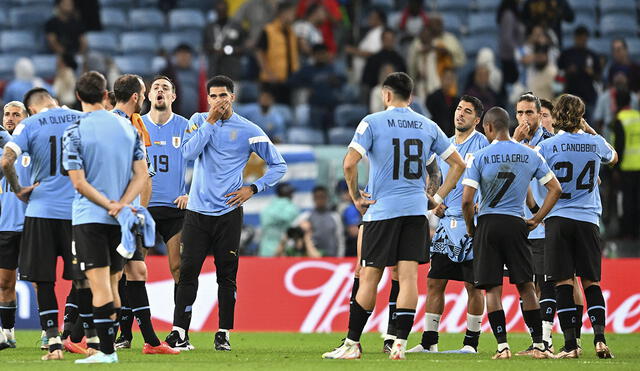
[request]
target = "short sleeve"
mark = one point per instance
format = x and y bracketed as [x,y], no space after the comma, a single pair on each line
[471,176]
[362,139]
[605,151]
[20,142]
[5,137]
[543,172]
[71,156]
[441,144]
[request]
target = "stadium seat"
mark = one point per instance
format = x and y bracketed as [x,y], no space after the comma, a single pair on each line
[104,42]
[32,2]
[114,19]
[20,42]
[170,41]
[621,25]
[134,64]
[29,17]
[487,5]
[123,4]
[584,6]
[634,48]
[45,64]
[340,136]
[471,44]
[617,6]
[480,23]
[4,19]
[349,115]
[302,135]
[138,43]
[186,19]
[7,61]
[581,19]
[451,5]
[301,115]
[144,19]
[286,113]
[248,92]
[600,45]
[452,22]
[385,5]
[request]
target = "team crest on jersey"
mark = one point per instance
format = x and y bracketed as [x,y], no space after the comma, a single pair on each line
[233,135]
[26,161]
[176,141]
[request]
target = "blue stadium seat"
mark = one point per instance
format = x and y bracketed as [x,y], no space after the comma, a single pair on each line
[286,113]
[481,23]
[600,45]
[303,135]
[622,25]
[115,3]
[103,41]
[473,43]
[20,42]
[4,19]
[143,43]
[584,6]
[349,115]
[144,19]
[7,61]
[170,41]
[581,19]
[186,19]
[134,64]
[385,5]
[301,115]
[45,65]
[617,7]
[29,17]
[114,19]
[451,5]
[452,22]
[634,48]
[487,5]
[340,136]
[48,3]
[248,92]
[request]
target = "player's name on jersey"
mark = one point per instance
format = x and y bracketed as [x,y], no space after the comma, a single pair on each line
[56,120]
[405,124]
[506,157]
[576,147]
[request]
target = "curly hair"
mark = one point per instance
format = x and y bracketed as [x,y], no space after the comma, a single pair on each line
[567,113]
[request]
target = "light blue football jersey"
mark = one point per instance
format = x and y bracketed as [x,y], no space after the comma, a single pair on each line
[105,146]
[11,208]
[166,157]
[575,159]
[502,172]
[41,136]
[398,143]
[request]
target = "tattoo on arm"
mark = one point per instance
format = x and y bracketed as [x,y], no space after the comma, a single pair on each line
[435,178]
[9,169]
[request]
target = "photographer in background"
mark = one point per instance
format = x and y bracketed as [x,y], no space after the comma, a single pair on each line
[298,242]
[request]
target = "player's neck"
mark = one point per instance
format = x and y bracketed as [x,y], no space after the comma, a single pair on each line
[397,104]
[160,117]
[126,108]
[227,115]
[461,136]
[502,137]
[91,107]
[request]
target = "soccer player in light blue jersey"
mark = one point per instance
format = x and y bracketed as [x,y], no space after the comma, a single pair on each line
[451,248]
[398,143]
[502,172]
[11,222]
[168,195]
[572,226]
[220,142]
[47,225]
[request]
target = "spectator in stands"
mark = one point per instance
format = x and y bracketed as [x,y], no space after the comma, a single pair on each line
[326,225]
[276,218]
[546,120]
[537,36]
[64,83]
[387,55]
[413,18]
[65,31]
[185,76]
[255,14]
[481,89]
[370,44]
[224,44]
[375,103]
[511,37]
[24,80]
[549,14]
[324,82]
[297,242]
[581,67]
[606,108]
[541,73]
[621,62]
[264,114]
[89,13]
[486,58]
[333,11]
[278,52]
[446,42]
[308,29]
[442,102]
[351,218]
[422,63]
[627,144]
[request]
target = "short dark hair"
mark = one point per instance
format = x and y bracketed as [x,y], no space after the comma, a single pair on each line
[498,117]
[91,86]
[475,102]
[183,47]
[112,98]
[400,84]
[320,188]
[530,97]
[581,30]
[125,86]
[32,94]
[220,81]
[545,103]
[163,77]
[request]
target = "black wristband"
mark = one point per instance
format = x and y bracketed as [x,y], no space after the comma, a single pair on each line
[254,188]
[534,209]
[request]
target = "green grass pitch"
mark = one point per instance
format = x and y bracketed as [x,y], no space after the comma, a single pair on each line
[295,351]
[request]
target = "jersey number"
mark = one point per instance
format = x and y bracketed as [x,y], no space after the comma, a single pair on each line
[163,161]
[589,172]
[53,146]
[417,158]
[508,180]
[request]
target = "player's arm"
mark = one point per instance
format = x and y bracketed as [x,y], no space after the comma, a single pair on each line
[83,187]
[193,145]
[435,177]
[350,167]
[553,195]
[137,182]
[468,208]
[9,170]
[145,194]
[531,201]
[456,168]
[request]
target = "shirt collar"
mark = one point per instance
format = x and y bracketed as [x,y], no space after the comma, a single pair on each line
[160,125]
[474,132]
[121,113]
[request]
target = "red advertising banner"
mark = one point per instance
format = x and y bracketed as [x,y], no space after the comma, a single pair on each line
[312,295]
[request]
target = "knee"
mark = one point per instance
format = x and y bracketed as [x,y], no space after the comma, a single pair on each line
[136,271]
[588,283]
[435,287]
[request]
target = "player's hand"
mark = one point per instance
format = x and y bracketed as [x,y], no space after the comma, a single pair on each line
[239,197]
[587,128]
[24,193]
[532,224]
[181,201]
[363,203]
[439,210]
[115,207]
[521,132]
[217,111]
